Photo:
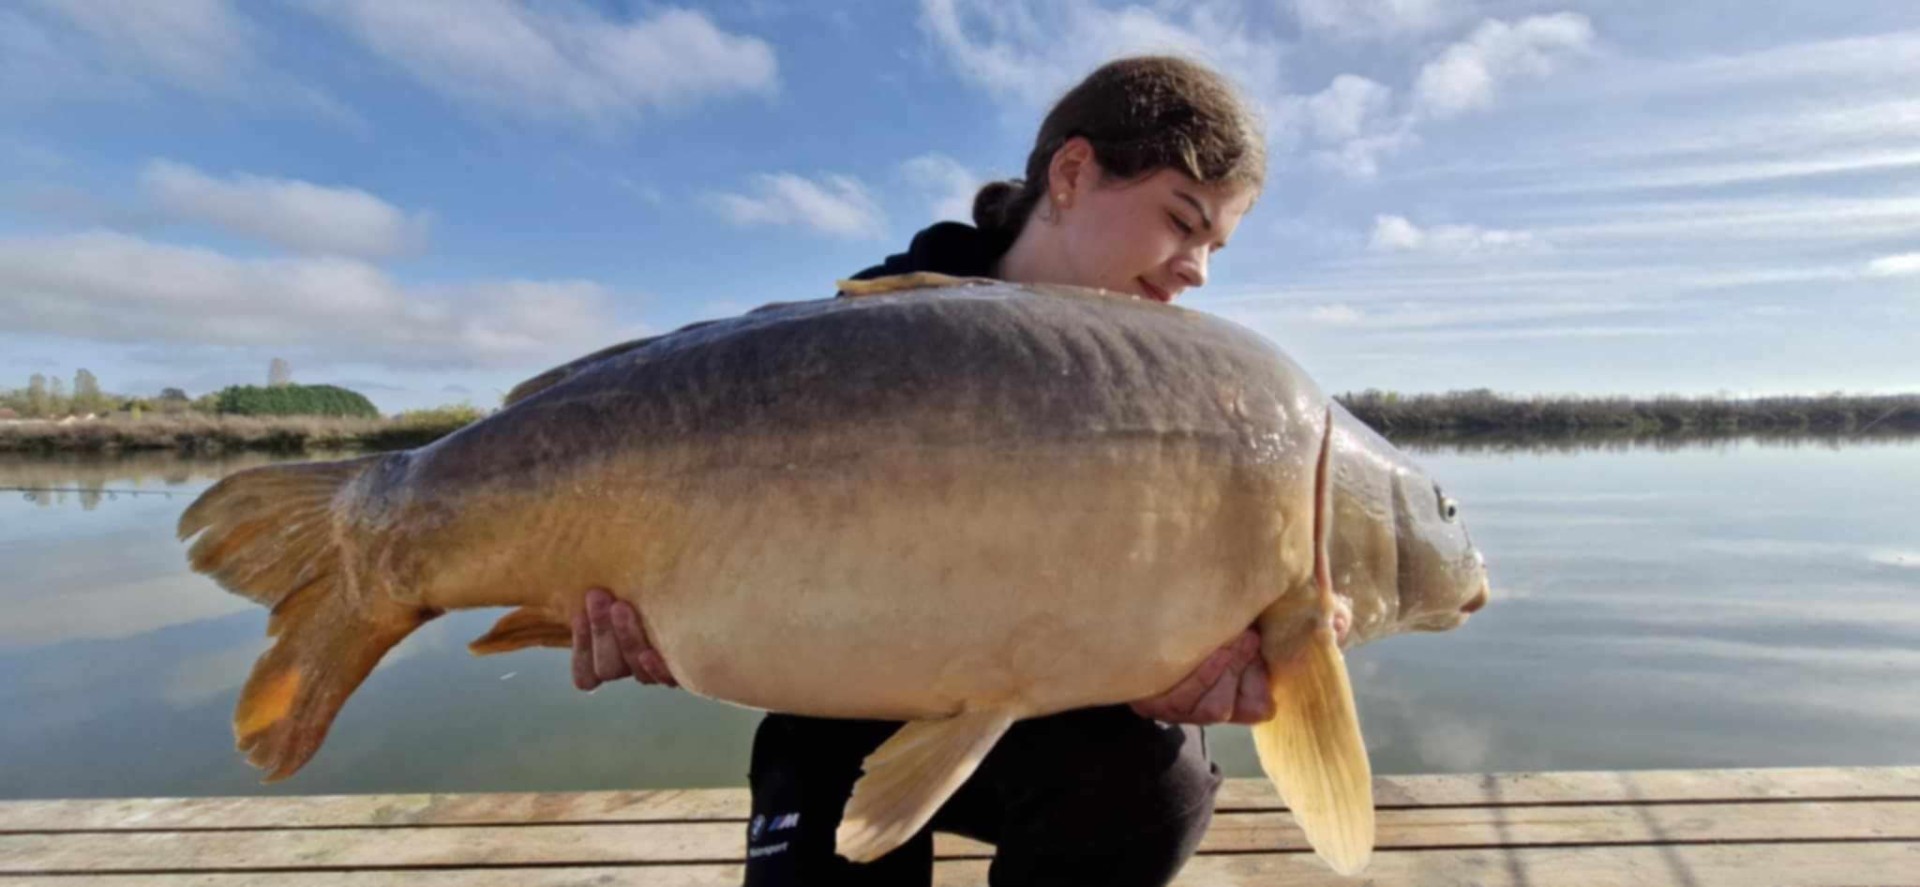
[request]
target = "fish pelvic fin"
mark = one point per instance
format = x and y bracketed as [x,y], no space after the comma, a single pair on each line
[523,628]
[1311,748]
[910,775]
[277,535]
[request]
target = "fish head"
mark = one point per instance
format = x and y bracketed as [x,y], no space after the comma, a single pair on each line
[1400,555]
[1442,576]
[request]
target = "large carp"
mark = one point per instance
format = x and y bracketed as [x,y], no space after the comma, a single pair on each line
[957,506]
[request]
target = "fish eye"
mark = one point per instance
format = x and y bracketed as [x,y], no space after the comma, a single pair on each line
[1448,508]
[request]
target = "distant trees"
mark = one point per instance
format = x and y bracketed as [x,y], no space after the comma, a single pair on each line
[293,400]
[58,404]
[1482,412]
[172,401]
[37,402]
[86,393]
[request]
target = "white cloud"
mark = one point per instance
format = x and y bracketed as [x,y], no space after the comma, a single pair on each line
[951,185]
[1901,265]
[200,44]
[1350,125]
[1397,234]
[112,287]
[1336,315]
[55,52]
[560,59]
[1378,18]
[839,205]
[1030,52]
[1466,76]
[1348,108]
[299,215]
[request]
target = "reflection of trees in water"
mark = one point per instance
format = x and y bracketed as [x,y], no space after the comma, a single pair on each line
[1568,444]
[49,481]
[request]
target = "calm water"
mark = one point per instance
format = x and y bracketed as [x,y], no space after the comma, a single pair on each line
[1722,606]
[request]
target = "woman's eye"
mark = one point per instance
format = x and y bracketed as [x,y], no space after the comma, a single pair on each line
[1185,229]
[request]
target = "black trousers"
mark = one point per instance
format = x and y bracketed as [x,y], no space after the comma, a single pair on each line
[1094,796]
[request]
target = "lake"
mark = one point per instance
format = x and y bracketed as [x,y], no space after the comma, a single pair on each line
[1736,604]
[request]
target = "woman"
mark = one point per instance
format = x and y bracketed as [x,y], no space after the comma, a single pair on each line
[1137,175]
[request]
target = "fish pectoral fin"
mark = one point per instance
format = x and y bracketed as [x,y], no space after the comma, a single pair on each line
[523,628]
[1312,751]
[910,775]
[901,282]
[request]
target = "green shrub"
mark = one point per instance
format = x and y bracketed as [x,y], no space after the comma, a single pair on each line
[293,400]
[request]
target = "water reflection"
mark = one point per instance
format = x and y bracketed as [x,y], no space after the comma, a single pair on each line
[1668,603]
[1569,444]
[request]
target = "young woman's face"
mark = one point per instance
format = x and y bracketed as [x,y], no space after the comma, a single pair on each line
[1152,237]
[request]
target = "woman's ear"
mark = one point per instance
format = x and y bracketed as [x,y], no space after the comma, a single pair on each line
[1073,170]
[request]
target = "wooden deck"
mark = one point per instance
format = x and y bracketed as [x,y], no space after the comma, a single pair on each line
[1695,828]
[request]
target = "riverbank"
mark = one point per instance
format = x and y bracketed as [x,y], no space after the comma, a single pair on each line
[1460,418]
[201,434]
[1469,415]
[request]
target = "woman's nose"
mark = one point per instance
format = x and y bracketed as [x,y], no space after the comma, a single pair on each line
[1191,267]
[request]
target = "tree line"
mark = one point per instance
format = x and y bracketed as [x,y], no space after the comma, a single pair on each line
[50,398]
[1483,412]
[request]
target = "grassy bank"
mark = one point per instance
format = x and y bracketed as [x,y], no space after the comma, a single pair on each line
[1477,414]
[204,434]
[1458,417]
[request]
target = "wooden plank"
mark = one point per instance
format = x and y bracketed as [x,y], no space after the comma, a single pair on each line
[1724,865]
[586,876]
[732,804]
[1609,787]
[312,811]
[480,846]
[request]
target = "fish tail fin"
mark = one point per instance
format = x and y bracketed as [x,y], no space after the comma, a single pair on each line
[266,533]
[1311,748]
[274,535]
[327,644]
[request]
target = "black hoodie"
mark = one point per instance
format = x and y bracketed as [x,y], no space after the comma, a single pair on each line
[945,248]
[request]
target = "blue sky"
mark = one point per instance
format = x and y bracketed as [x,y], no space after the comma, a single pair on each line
[430,200]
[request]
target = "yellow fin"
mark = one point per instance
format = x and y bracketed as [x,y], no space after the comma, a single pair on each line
[274,535]
[1311,749]
[902,282]
[327,644]
[522,628]
[910,775]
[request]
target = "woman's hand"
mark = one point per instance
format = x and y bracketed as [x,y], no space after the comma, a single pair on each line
[1231,685]
[610,643]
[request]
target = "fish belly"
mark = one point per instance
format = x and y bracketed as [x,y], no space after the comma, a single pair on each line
[914,582]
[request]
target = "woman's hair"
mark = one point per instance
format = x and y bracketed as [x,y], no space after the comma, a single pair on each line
[1141,115]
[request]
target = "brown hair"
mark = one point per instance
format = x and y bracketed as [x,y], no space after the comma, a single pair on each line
[1141,115]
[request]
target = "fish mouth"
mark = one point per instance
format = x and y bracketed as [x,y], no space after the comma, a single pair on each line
[1153,292]
[1479,600]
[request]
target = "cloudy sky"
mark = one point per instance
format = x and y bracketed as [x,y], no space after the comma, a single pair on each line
[430,200]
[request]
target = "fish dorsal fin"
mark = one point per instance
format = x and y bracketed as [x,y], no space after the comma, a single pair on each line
[554,376]
[1311,749]
[902,282]
[910,775]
